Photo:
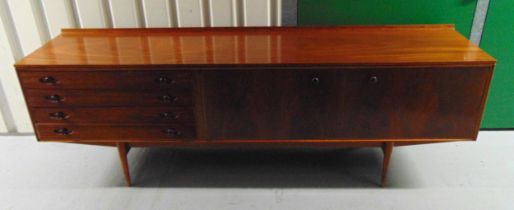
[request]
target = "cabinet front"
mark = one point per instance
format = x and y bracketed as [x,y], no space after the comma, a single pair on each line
[362,104]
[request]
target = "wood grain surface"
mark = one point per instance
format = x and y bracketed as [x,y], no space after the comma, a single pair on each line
[350,104]
[416,45]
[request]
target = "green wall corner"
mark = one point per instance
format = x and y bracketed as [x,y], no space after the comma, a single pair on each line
[498,40]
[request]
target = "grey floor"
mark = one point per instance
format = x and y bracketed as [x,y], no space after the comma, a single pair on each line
[464,175]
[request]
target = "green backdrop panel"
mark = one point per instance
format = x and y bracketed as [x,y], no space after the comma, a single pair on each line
[361,12]
[498,40]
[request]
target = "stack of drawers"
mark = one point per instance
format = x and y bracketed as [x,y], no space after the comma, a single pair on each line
[110,105]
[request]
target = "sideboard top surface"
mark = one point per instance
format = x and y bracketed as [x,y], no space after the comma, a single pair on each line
[411,45]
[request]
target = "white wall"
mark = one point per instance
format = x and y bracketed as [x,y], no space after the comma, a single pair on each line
[26,24]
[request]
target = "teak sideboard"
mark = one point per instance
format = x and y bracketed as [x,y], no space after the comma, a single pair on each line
[360,86]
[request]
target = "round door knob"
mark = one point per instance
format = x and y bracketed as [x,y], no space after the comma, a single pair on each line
[58,115]
[315,80]
[63,131]
[373,79]
[54,98]
[169,115]
[48,80]
[172,132]
[167,98]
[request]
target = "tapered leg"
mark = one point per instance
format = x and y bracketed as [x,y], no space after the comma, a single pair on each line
[387,148]
[123,149]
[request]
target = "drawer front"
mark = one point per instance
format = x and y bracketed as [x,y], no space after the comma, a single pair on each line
[66,132]
[345,104]
[120,80]
[92,98]
[114,115]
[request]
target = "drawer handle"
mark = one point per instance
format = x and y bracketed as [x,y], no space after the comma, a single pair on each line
[373,79]
[172,132]
[164,80]
[58,115]
[167,98]
[48,80]
[170,115]
[54,98]
[315,80]
[63,131]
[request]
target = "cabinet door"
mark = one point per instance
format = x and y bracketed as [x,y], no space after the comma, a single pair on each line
[439,103]
[344,104]
[268,104]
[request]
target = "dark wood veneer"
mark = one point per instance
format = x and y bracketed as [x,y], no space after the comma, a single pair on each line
[374,86]
[108,80]
[106,98]
[113,115]
[115,132]
[328,104]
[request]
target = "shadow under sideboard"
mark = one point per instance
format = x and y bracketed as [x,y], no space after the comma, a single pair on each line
[261,168]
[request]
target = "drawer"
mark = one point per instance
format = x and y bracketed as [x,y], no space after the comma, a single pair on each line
[90,98]
[66,132]
[121,80]
[114,115]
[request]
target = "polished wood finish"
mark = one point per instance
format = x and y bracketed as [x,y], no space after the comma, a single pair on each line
[387,148]
[115,132]
[332,104]
[373,86]
[106,98]
[114,115]
[373,45]
[123,149]
[108,80]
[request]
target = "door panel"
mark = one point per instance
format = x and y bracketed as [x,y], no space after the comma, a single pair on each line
[344,103]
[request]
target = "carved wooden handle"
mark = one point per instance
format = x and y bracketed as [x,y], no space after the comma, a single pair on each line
[373,79]
[48,80]
[167,98]
[54,98]
[58,115]
[63,131]
[163,80]
[315,80]
[170,115]
[172,132]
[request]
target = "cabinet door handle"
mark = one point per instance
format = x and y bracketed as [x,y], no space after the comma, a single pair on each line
[58,115]
[63,131]
[49,80]
[54,98]
[172,132]
[315,80]
[167,98]
[373,79]
[169,115]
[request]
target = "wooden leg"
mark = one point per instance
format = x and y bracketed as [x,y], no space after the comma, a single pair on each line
[387,148]
[123,149]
